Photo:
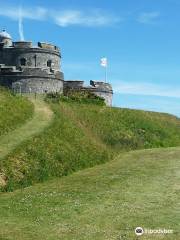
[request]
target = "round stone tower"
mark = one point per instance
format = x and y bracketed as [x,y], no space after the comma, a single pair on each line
[27,68]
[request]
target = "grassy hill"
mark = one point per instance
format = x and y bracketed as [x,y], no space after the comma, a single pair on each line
[104,201]
[14,111]
[84,135]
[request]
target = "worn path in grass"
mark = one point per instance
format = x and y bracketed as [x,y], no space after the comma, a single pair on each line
[41,118]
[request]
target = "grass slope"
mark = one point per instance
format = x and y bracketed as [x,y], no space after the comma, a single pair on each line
[61,149]
[137,188]
[41,118]
[84,135]
[129,129]
[14,111]
[109,201]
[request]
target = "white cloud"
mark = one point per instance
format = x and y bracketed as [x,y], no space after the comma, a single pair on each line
[148,17]
[146,89]
[37,13]
[62,18]
[91,19]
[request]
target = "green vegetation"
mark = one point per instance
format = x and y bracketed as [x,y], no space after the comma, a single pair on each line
[106,201]
[75,96]
[109,201]
[129,129]
[41,118]
[84,135]
[14,111]
[64,147]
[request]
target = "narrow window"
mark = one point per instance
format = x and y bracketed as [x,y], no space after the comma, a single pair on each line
[35,60]
[23,62]
[49,63]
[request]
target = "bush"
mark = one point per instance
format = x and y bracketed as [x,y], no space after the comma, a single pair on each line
[78,96]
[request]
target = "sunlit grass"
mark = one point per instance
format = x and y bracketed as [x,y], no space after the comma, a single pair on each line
[14,111]
[127,189]
[84,135]
[104,202]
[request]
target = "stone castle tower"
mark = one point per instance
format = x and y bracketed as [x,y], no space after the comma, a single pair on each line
[30,68]
[37,69]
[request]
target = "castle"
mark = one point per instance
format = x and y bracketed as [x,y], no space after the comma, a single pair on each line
[36,69]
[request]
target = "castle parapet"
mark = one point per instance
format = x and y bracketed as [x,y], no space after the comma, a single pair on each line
[103,90]
[75,84]
[48,46]
[104,87]
[22,44]
[98,88]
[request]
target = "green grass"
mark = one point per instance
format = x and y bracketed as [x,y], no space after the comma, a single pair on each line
[64,147]
[129,129]
[124,190]
[84,135]
[139,188]
[14,111]
[42,117]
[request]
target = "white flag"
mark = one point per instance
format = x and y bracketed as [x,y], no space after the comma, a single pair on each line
[104,62]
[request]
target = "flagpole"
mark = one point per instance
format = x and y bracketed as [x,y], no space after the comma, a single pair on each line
[104,65]
[106,74]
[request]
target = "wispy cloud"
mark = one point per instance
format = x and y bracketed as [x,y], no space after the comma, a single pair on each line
[146,89]
[92,18]
[37,13]
[63,18]
[19,13]
[148,17]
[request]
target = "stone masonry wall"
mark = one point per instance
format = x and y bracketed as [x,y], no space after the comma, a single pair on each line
[38,85]
[32,83]
[35,57]
[106,95]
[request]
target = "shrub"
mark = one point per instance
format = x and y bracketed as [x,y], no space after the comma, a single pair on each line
[78,96]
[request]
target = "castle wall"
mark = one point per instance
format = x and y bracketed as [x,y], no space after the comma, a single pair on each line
[33,84]
[73,84]
[106,95]
[35,57]
[100,89]
[38,85]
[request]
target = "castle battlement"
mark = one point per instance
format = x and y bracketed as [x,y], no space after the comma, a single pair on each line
[22,44]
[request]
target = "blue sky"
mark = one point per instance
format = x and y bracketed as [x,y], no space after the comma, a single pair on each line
[140,38]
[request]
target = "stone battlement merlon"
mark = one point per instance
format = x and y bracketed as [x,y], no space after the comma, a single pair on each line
[47,47]
[30,50]
[22,44]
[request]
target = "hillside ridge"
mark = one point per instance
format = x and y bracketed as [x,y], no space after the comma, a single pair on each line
[79,136]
